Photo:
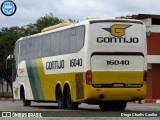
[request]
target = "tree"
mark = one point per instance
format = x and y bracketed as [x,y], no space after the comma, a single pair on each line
[46,21]
[72,20]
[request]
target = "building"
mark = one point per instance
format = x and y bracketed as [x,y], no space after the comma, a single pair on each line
[152,23]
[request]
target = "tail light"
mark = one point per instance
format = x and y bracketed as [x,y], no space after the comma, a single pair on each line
[89,77]
[145,76]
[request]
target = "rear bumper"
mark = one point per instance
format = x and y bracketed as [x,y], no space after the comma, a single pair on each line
[114,94]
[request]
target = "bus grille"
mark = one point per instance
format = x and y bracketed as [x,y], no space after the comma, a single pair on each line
[79,86]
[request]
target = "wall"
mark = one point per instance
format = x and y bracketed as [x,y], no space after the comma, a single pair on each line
[153,83]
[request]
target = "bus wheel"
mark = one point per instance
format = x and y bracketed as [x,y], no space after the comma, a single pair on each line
[106,106]
[120,105]
[71,105]
[25,102]
[60,100]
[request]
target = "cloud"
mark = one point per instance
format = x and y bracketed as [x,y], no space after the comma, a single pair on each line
[129,7]
[28,11]
[82,9]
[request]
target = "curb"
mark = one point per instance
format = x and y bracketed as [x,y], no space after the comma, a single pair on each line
[152,100]
[6,99]
[148,101]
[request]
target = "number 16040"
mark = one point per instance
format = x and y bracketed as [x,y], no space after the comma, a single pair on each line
[117,62]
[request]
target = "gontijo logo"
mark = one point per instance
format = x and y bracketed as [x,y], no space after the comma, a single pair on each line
[8,8]
[117,30]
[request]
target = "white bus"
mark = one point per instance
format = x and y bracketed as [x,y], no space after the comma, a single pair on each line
[96,61]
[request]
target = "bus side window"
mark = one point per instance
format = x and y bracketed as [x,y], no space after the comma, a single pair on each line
[73,41]
[23,50]
[80,37]
[30,49]
[37,47]
[46,43]
[55,41]
[64,42]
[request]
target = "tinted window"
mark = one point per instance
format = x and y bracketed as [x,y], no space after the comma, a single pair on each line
[23,50]
[62,42]
[80,37]
[155,21]
[55,41]
[65,42]
[46,43]
[37,47]
[29,49]
[73,41]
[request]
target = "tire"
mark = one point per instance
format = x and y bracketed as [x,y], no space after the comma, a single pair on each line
[60,99]
[24,101]
[70,105]
[121,105]
[105,106]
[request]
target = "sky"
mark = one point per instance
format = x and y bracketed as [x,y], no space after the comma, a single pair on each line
[28,11]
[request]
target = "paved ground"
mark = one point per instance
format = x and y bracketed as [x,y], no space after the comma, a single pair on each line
[85,111]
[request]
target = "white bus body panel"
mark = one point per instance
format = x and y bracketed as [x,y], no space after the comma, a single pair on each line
[22,79]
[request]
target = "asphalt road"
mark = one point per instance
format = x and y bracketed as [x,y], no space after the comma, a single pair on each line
[51,111]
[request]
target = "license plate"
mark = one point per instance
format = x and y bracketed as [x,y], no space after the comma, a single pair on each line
[118,85]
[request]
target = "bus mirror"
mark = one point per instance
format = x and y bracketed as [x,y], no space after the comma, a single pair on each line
[9,61]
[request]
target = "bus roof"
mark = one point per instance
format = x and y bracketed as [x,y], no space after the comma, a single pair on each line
[56,26]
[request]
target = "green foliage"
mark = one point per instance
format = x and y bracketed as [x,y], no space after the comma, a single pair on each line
[46,21]
[72,21]
[8,36]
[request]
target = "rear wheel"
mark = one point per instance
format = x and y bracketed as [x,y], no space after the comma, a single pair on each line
[70,104]
[25,102]
[106,106]
[120,105]
[60,100]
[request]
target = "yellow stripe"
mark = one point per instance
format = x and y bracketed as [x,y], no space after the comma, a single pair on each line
[41,75]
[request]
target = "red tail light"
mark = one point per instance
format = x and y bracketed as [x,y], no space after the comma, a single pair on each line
[145,76]
[89,77]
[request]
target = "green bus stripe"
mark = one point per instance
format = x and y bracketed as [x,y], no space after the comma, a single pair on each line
[37,80]
[31,79]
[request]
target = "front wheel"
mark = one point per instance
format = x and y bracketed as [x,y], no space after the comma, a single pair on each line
[24,101]
[71,105]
